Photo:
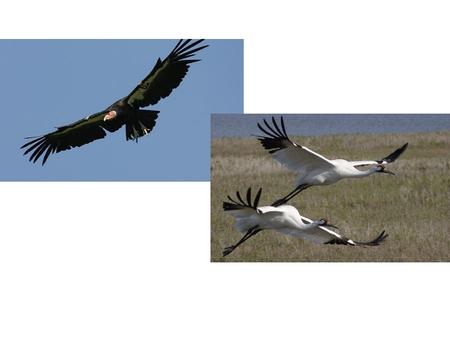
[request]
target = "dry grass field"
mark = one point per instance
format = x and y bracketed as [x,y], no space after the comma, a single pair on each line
[413,206]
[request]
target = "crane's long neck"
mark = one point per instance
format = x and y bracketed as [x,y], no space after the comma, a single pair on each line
[312,225]
[359,174]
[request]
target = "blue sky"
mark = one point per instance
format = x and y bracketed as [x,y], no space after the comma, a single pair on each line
[50,83]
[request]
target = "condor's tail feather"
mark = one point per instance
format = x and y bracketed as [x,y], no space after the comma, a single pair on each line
[141,123]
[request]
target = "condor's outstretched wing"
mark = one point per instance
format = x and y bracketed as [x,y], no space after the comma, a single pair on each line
[165,76]
[73,135]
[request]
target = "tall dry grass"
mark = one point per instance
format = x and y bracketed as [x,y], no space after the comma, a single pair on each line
[413,207]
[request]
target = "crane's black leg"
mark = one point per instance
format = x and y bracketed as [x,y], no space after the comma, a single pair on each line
[291,195]
[251,232]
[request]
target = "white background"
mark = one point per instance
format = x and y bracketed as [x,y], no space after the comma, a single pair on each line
[132,259]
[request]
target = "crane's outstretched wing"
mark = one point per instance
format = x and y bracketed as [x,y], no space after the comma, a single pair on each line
[241,208]
[323,235]
[295,157]
[166,75]
[243,211]
[73,135]
[388,159]
[394,155]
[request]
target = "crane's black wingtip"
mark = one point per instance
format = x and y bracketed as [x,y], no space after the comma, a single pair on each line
[403,147]
[392,157]
[381,237]
[227,251]
[240,203]
[374,242]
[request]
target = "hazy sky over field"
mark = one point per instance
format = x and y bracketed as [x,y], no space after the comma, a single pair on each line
[49,83]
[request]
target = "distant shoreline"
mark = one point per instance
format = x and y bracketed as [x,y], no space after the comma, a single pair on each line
[231,125]
[293,136]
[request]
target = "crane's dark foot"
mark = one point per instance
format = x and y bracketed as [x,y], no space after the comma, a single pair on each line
[228,250]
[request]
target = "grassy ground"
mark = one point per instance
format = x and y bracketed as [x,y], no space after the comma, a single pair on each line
[413,207]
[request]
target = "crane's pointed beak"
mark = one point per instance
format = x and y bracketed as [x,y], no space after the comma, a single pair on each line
[385,171]
[326,224]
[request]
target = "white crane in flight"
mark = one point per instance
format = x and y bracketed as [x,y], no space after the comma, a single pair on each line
[251,219]
[313,168]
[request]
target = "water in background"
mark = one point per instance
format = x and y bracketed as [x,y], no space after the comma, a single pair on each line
[233,125]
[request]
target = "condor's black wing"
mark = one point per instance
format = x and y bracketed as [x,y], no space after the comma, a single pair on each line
[166,75]
[73,135]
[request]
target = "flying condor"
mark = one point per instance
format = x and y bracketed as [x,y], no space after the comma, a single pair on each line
[165,76]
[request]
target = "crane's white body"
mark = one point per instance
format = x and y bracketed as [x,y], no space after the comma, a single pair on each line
[315,169]
[287,220]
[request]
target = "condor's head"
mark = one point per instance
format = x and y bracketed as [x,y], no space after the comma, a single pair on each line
[112,114]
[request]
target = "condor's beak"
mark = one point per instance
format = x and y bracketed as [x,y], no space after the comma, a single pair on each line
[111,114]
